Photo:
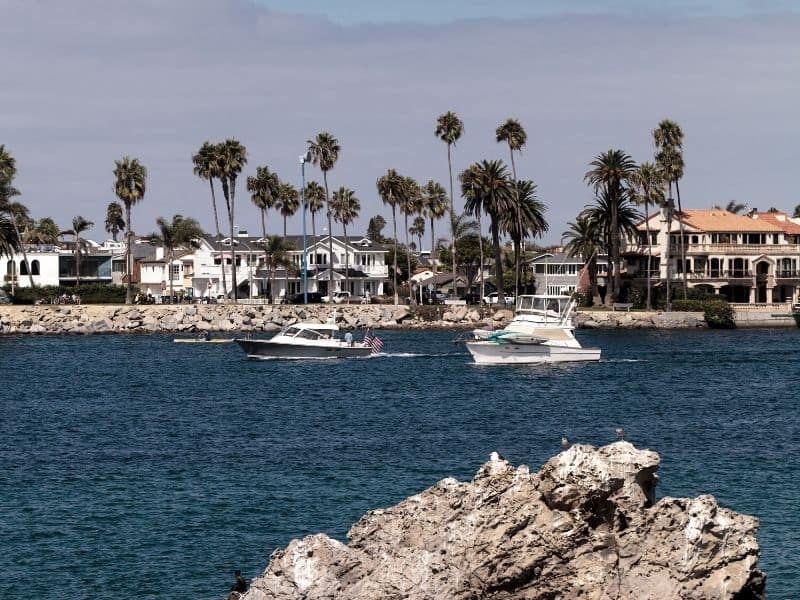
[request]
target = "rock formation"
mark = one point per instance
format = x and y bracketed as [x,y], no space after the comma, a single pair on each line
[586,526]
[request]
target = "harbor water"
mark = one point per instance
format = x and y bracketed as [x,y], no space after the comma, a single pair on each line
[133,467]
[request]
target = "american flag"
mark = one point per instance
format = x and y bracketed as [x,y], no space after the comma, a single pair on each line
[373,342]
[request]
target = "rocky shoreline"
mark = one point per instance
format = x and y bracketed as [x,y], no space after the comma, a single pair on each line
[192,318]
[587,525]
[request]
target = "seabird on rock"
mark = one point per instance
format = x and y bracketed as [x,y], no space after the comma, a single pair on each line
[620,433]
[565,442]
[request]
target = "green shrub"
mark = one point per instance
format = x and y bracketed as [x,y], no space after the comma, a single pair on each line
[719,314]
[93,293]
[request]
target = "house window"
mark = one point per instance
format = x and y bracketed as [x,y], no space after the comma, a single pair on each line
[35,267]
[540,269]
[23,268]
[174,272]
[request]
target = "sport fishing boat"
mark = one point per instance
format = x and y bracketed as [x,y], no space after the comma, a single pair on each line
[540,332]
[311,340]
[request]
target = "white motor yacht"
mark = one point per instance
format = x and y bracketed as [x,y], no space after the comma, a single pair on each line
[540,332]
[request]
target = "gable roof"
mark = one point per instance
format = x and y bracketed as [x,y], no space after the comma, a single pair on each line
[778,219]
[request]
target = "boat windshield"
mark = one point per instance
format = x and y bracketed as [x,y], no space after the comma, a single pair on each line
[545,304]
[306,333]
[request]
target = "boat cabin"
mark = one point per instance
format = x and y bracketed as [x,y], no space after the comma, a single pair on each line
[545,307]
[316,331]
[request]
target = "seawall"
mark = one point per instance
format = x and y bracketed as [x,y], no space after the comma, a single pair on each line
[188,318]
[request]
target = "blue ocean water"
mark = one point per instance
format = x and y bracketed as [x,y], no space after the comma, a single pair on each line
[134,467]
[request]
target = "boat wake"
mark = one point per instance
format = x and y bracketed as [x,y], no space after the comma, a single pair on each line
[623,360]
[416,354]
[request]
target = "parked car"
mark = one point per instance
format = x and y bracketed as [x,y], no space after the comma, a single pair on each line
[313,298]
[342,297]
[471,298]
[492,299]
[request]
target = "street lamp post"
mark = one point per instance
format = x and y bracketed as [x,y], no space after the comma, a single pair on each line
[304,158]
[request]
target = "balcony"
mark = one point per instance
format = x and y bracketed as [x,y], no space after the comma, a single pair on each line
[738,249]
[787,274]
[716,274]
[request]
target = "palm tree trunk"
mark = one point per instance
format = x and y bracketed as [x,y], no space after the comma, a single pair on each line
[330,235]
[667,254]
[616,278]
[77,260]
[408,261]
[286,268]
[480,248]
[128,256]
[649,251]
[433,251]
[683,242]
[452,219]
[346,261]
[498,260]
[216,225]
[169,274]
[24,257]
[519,223]
[233,245]
[394,272]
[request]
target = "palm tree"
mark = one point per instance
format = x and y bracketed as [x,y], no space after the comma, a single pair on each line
[287,203]
[796,213]
[231,157]
[390,189]
[15,212]
[491,189]
[610,171]
[647,188]
[263,191]
[345,207]
[44,231]
[171,235]
[735,207]
[324,151]
[474,206]
[79,225]
[449,129]
[130,185]
[114,221]
[276,253]
[668,140]
[434,204]
[410,204]
[206,166]
[9,242]
[418,229]
[526,219]
[514,135]
[315,200]
[375,228]
[585,240]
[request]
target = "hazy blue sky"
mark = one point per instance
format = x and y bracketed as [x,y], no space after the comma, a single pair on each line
[87,81]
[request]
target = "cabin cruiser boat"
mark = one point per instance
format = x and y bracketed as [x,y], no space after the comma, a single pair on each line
[307,340]
[540,332]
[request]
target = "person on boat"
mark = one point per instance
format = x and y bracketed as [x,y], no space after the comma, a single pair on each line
[348,338]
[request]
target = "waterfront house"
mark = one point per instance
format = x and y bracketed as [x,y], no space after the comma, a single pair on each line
[558,273]
[750,258]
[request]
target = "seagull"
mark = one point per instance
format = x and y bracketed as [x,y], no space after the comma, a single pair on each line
[565,442]
[620,433]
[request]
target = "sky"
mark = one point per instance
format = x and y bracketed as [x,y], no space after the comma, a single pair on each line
[86,82]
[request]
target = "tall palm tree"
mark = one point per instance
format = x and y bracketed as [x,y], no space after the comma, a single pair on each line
[668,140]
[79,225]
[9,242]
[390,189]
[263,187]
[474,206]
[525,220]
[44,231]
[417,230]
[585,240]
[735,207]
[434,204]
[231,157]
[315,200]
[179,232]
[491,188]
[410,204]
[114,220]
[609,174]
[287,203]
[514,135]
[130,185]
[325,150]
[345,207]
[449,129]
[207,166]
[647,188]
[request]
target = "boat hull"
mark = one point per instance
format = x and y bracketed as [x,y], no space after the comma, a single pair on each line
[492,353]
[270,349]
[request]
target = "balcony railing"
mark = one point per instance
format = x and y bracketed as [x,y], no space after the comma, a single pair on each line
[716,274]
[741,249]
[788,273]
